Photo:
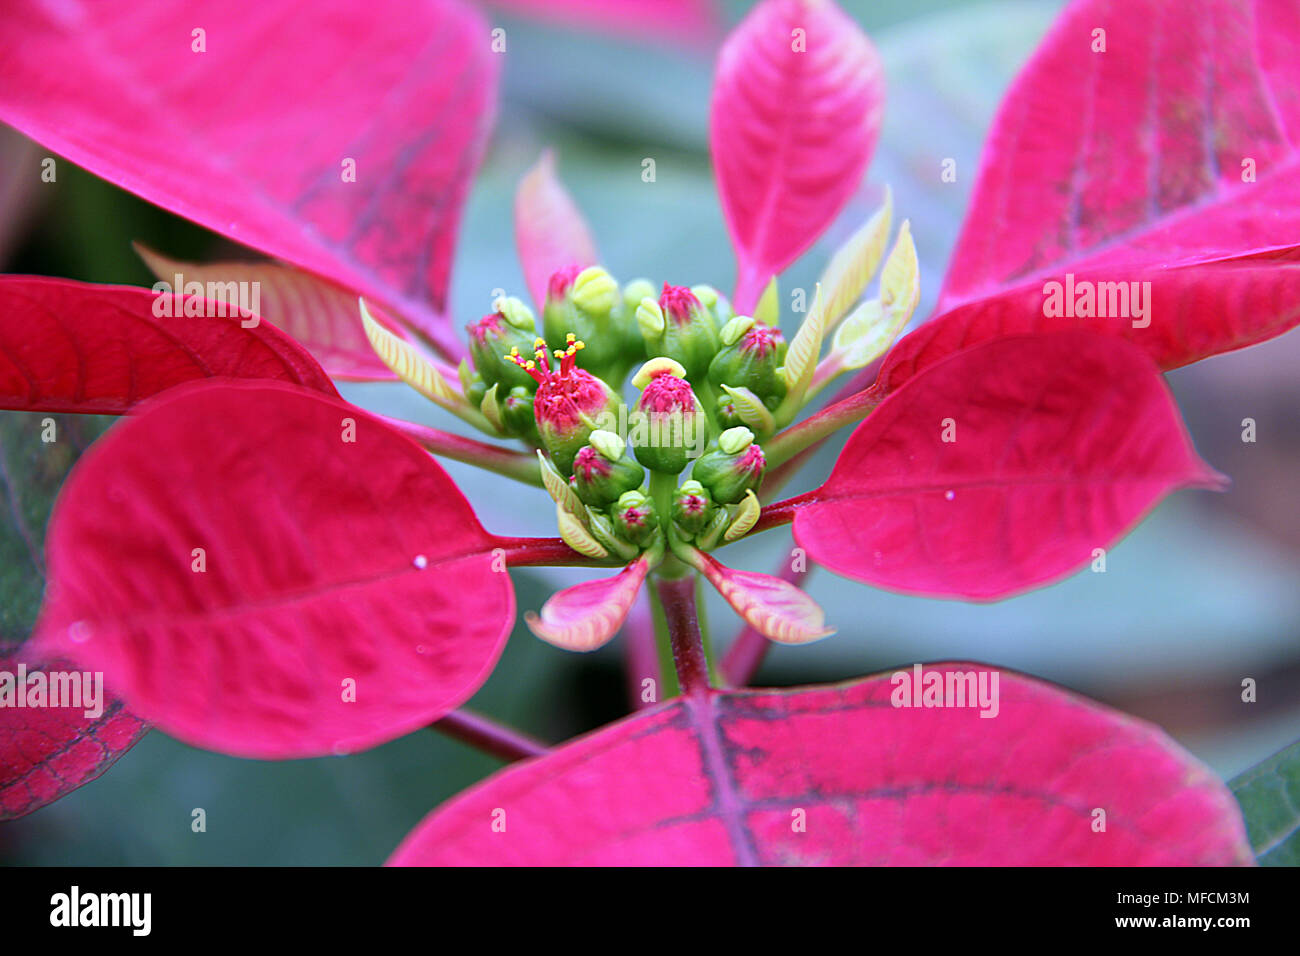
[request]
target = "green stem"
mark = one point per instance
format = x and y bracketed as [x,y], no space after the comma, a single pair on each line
[662,488]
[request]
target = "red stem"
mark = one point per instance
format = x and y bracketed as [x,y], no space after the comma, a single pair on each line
[782,512]
[505,461]
[678,598]
[642,655]
[531,552]
[487,735]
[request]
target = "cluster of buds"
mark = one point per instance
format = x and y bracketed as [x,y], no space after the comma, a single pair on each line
[709,380]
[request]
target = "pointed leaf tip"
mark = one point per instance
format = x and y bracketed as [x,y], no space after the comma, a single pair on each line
[550,232]
[775,608]
[854,264]
[799,67]
[586,616]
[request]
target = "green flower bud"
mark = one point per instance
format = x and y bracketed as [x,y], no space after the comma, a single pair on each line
[602,470]
[635,291]
[679,327]
[517,414]
[634,517]
[492,337]
[668,426]
[731,469]
[589,304]
[719,305]
[692,508]
[569,404]
[750,356]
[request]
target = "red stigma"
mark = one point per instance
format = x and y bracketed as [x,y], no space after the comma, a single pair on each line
[561,281]
[487,327]
[761,339]
[753,460]
[678,302]
[590,464]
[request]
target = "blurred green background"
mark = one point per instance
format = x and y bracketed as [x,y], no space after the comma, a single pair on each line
[1202,595]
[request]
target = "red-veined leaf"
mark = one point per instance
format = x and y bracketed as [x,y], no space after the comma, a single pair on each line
[47,752]
[584,617]
[1192,313]
[320,315]
[797,105]
[269,572]
[340,137]
[1141,136]
[836,775]
[1002,468]
[73,347]
[550,232]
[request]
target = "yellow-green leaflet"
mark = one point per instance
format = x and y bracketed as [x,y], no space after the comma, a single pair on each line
[801,359]
[408,364]
[752,411]
[854,263]
[768,310]
[558,488]
[747,513]
[576,535]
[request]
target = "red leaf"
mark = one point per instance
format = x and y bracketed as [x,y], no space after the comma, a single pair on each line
[725,779]
[48,752]
[797,104]
[550,232]
[1001,468]
[321,315]
[1176,146]
[251,137]
[72,347]
[323,561]
[1194,312]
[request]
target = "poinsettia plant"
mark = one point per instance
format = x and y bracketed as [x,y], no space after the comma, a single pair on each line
[260,568]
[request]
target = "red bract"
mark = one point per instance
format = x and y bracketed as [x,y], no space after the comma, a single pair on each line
[550,233]
[797,104]
[346,147]
[71,347]
[319,313]
[46,752]
[766,777]
[272,573]
[1001,468]
[1146,152]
